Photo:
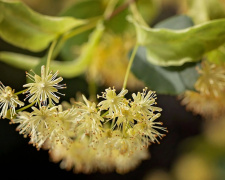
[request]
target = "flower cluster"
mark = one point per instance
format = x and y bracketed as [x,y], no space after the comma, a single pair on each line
[209,98]
[113,134]
[110,61]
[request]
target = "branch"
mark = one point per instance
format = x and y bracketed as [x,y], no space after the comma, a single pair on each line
[120,9]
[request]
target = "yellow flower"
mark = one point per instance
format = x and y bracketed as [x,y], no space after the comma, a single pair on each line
[200,166]
[44,87]
[214,131]
[143,102]
[41,125]
[121,147]
[8,100]
[206,105]
[79,157]
[114,103]
[88,120]
[110,61]
[208,101]
[212,79]
[126,163]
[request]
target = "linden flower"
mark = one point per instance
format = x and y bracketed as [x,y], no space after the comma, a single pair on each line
[122,152]
[42,125]
[148,131]
[44,87]
[110,61]
[212,79]
[125,163]
[88,120]
[123,143]
[126,119]
[8,100]
[205,105]
[113,102]
[79,157]
[143,102]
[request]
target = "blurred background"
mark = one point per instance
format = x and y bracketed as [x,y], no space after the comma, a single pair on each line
[184,153]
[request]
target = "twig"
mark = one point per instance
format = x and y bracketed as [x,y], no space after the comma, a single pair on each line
[119,9]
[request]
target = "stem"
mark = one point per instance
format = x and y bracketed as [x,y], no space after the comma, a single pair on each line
[108,14]
[103,115]
[124,128]
[50,55]
[137,15]
[81,29]
[74,33]
[25,107]
[120,9]
[20,92]
[109,9]
[92,88]
[129,66]
[113,122]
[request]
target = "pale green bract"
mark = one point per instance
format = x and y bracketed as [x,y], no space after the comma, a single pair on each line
[67,69]
[25,28]
[167,47]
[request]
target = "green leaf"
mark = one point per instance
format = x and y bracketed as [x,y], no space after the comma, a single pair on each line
[164,80]
[171,80]
[22,27]
[118,24]
[204,10]
[217,56]
[149,9]
[66,69]
[84,10]
[166,47]
[175,22]
[20,61]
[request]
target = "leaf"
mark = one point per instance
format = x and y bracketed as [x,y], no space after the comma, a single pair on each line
[118,24]
[22,27]
[74,68]
[171,80]
[175,22]
[67,69]
[84,10]
[165,80]
[166,47]
[90,9]
[204,10]
[149,9]
[20,61]
[217,56]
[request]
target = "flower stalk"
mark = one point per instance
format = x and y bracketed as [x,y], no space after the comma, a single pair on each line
[129,65]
